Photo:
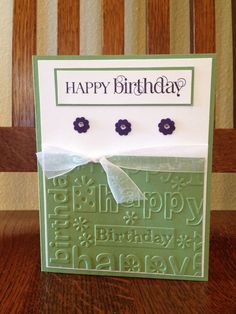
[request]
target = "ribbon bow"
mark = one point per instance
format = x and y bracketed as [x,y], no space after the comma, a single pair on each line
[56,162]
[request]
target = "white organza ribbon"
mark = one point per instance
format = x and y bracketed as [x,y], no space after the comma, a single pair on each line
[56,162]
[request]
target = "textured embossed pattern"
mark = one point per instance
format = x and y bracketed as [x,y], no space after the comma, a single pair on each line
[87,232]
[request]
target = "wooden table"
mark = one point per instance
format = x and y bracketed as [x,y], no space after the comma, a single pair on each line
[24,289]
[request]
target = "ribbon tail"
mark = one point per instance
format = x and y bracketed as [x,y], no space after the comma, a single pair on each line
[55,174]
[121,185]
[56,163]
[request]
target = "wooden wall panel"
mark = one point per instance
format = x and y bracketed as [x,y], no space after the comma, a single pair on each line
[113,27]
[224,150]
[224,69]
[47,27]
[23,47]
[90,27]
[202,26]
[18,191]
[18,147]
[135,27]
[68,39]
[179,26]
[158,27]
[234,58]
[6,27]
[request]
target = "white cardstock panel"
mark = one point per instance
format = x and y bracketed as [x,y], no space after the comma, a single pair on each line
[192,122]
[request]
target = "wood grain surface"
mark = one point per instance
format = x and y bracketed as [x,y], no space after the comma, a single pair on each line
[113,27]
[18,145]
[233,4]
[202,32]
[68,33]
[23,47]
[24,289]
[224,150]
[17,149]
[158,28]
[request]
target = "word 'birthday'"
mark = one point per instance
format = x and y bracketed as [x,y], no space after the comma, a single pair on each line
[122,85]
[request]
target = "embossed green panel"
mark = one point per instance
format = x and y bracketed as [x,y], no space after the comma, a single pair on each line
[87,232]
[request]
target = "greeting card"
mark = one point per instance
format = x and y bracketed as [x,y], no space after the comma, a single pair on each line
[124,162]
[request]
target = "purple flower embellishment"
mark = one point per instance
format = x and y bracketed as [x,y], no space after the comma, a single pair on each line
[123,127]
[166,126]
[81,125]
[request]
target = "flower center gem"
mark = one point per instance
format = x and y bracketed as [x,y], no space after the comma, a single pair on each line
[123,127]
[81,124]
[166,126]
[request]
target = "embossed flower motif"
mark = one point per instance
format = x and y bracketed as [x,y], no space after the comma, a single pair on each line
[184,241]
[178,183]
[131,264]
[130,217]
[86,239]
[80,224]
[158,267]
[166,126]
[123,127]
[81,125]
[84,181]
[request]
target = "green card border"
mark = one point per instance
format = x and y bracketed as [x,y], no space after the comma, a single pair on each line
[206,243]
[124,69]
